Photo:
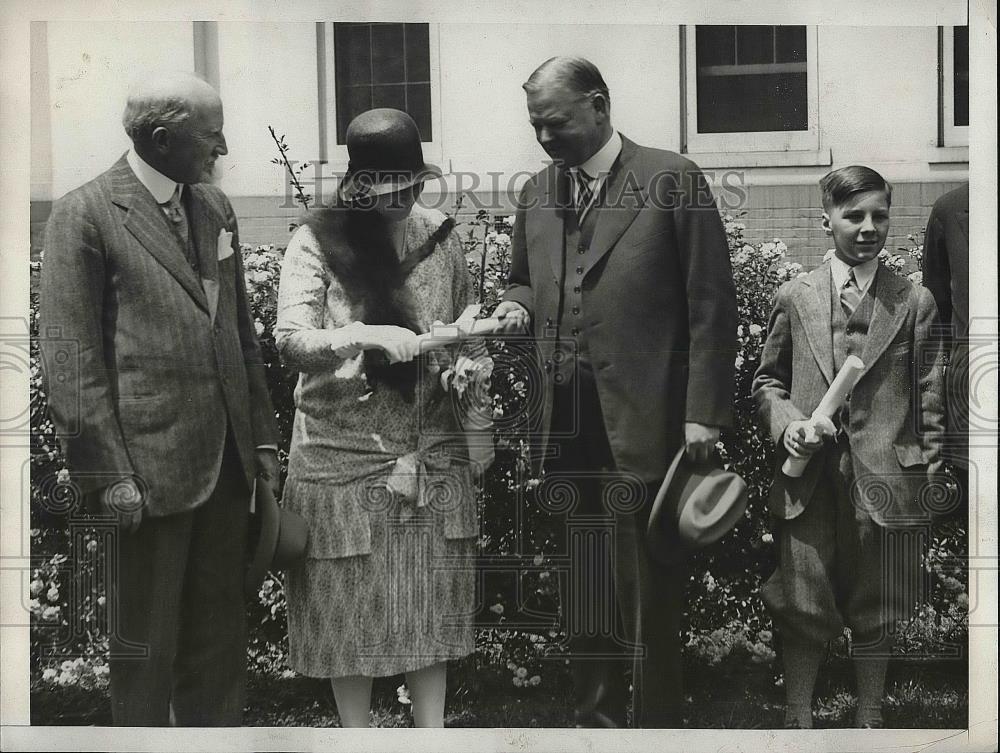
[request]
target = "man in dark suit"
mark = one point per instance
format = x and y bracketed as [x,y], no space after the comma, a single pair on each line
[174,415]
[946,275]
[620,264]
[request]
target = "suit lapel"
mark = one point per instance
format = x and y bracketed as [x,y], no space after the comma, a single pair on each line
[148,225]
[814,312]
[204,227]
[623,197]
[545,222]
[890,311]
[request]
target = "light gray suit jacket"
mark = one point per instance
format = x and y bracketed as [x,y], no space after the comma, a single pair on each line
[147,361]
[896,415]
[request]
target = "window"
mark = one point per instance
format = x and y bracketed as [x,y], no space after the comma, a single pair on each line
[366,65]
[751,88]
[382,65]
[954,85]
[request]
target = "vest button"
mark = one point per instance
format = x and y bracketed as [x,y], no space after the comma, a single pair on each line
[558,378]
[579,270]
[581,250]
[576,310]
[575,332]
[576,288]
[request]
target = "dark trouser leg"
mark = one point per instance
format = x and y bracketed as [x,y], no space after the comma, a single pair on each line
[211,663]
[169,575]
[598,657]
[145,590]
[651,599]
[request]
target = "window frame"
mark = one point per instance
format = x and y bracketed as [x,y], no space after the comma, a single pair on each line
[951,134]
[336,154]
[748,141]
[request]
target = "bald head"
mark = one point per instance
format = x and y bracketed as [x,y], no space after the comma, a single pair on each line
[165,100]
[175,122]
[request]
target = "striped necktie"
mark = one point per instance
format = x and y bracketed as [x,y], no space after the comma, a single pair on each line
[850,295]
[175,212]
[584,194]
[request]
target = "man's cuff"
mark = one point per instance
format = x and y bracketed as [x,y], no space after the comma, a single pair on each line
[267,447]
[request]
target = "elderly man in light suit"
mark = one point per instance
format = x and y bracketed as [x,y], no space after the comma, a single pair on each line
[620,264]
[142,272]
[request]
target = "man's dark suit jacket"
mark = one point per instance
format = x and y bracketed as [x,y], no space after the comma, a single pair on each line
[946,275]
[658,299]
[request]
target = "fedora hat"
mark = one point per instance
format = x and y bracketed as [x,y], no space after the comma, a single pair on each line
[277,538]
[697,504]
[385,155]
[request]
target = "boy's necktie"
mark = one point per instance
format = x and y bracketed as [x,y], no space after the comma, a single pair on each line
[850,295]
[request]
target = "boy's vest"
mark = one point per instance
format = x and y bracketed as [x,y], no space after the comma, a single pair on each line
[849,335]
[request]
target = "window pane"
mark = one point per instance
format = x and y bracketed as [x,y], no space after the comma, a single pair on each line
[761,84]
[790,44]
[382,65]
[388,60]
[351,102]
[961,75]
[418,60]
[389,95]
[352,49]
[753,103]
[418,104]
[754,44]
[715,45]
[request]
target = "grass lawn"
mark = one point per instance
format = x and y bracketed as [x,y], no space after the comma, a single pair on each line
[928,695]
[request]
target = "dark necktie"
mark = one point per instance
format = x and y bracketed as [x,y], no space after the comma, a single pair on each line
[174,210]
[584,194]
[850,295]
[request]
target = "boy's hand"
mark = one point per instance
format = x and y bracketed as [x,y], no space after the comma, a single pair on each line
[803,438]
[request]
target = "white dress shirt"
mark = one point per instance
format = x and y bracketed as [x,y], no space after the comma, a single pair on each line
[598,165]
[158,184]
[864,273]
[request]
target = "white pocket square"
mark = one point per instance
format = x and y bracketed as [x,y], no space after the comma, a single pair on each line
[225,244]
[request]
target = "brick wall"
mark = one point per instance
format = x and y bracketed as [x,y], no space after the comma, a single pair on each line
[791,213]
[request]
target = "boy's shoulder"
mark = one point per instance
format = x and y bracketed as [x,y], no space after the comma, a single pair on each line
[797,286]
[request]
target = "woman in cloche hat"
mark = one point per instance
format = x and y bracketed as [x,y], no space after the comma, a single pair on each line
[378,465]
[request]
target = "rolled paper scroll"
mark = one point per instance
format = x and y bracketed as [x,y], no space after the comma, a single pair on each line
[822,417]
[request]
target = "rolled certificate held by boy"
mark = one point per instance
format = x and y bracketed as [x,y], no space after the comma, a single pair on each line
[821,421]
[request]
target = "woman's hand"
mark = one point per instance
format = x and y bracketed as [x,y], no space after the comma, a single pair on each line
[398,343]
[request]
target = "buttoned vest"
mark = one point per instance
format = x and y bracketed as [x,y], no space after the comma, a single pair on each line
[849,334]
[578,256]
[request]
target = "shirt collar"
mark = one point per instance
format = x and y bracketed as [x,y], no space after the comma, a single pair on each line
[864,273]
[601,162]
[157,183]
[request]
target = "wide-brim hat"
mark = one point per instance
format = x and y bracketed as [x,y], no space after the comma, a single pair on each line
[697,504]
[277,538]
[383,146]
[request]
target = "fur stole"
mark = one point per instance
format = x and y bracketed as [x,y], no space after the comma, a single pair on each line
[358,249]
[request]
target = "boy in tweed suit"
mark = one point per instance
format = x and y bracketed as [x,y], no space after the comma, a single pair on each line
[849,531]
